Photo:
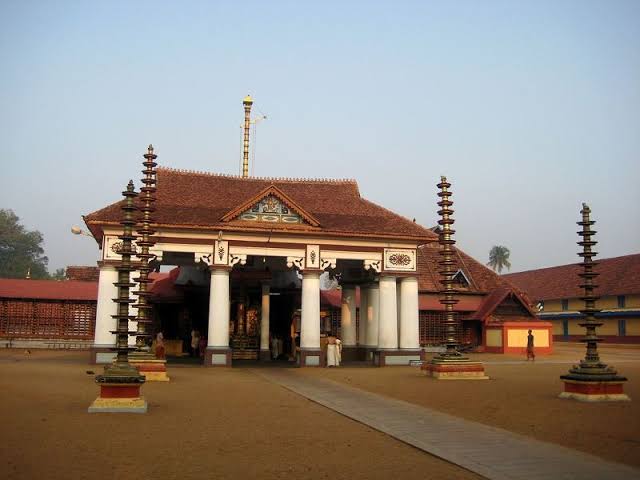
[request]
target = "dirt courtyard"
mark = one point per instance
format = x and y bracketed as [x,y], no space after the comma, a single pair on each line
[205,424]
[523,398]
[230,423]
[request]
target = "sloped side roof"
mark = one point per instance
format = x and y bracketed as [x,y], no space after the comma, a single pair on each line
[618,276]
[495,298]
[48,289]
[481,278]
[194,199]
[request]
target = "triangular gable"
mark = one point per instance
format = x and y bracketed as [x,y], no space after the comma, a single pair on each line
[495,299]
[461,280]
[271,205]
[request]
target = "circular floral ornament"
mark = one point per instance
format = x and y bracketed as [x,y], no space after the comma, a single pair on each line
[116,247]
[400,259]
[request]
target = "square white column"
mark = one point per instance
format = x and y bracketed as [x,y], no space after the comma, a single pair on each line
[388,321]
[373,316]
[218,336]
[348,316]
[364,314]
[409,314]
[310,321]
[106,307]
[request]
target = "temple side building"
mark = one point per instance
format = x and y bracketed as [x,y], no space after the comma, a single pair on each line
[556,293]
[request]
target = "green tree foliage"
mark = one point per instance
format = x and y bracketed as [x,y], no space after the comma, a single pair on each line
[20,249]
[60,274]
[499,258]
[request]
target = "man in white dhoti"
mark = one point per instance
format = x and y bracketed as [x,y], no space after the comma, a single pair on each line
[334,351]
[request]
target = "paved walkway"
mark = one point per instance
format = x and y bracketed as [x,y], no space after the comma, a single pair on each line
[491,452]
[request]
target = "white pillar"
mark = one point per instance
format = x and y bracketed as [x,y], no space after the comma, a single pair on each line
[388,327]
[409,309]
[364,313]
[106,307]
[264,318]
[348,317]
[219,309]
[373,316]
[310,321]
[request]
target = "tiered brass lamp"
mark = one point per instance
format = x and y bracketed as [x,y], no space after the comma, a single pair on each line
[450,364]
[120,383]
[591,380]
[154,369]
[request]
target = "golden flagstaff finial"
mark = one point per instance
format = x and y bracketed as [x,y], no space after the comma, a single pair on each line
[247,102]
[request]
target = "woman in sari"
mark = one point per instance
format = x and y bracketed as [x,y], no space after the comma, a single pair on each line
[334,351]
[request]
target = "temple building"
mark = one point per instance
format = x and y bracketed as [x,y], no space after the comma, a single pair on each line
[262,244]
[557,295]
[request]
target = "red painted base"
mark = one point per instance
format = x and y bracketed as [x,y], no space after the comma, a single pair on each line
[595,391]
[115,390]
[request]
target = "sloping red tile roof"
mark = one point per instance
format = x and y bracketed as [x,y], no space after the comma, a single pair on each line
[481,278]
[618,276]
[48,289]
[195,199]
[163,286]
[82,273]
[495,298]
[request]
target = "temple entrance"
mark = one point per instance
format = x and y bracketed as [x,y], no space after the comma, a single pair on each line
[283,327]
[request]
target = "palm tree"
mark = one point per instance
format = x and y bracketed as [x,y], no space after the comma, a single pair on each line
[499,258]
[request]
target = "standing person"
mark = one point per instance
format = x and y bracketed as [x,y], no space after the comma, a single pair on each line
[530,354]
[195,340]
[160,345]
[334,351]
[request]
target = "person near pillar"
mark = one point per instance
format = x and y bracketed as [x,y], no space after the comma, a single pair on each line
[334,351]
[530,353]
[160,351]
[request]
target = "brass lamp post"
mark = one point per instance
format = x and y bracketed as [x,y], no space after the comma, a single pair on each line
[450,364]
[591,380]
[120,383]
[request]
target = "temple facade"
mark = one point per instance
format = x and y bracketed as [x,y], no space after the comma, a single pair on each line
[255,249]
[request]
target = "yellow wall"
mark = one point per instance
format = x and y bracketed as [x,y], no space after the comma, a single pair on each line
[557,327]
[604,303]
[518,337]
[633,326]
[494,337]
[633,301]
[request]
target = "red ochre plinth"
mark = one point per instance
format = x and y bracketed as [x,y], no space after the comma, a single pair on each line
[454,369]
[153,370]
[119,398]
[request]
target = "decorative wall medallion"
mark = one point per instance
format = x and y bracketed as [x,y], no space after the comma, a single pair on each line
[313,256]
[221,252]
[116,247]
[403,260]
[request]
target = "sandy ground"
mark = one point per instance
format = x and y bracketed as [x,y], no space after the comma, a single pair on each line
[205,423]
[522,397]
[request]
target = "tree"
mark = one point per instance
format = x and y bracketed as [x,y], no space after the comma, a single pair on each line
[60,274]
[20,249]
[499,258]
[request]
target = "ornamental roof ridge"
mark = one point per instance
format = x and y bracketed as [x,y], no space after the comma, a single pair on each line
[261,179]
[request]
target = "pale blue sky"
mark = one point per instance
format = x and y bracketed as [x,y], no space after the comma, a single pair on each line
[530,108]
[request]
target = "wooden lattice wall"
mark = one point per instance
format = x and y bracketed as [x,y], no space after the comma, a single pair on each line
[47,319]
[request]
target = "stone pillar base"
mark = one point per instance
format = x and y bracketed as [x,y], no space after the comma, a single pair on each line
[119,398]
[385,358]
[352,353]
[265,355]
[217,357]
[312,358]
[153,369]
[454,369]
[594,391]
[101,354]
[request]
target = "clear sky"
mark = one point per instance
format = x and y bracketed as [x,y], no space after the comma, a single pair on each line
[529,107]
